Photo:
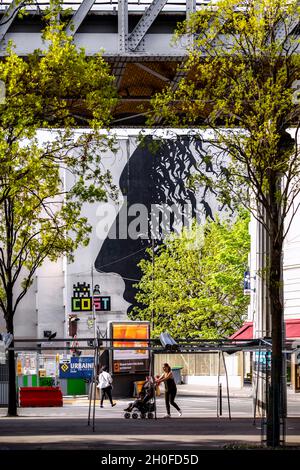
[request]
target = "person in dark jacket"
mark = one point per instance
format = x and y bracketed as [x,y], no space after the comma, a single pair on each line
[170,390]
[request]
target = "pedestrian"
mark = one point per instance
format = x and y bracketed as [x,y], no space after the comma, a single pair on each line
[170,389]
[105,385]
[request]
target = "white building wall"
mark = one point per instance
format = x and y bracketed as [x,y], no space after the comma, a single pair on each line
[26,319]
[291,273]
[252,264]
[47,306]
[49,299]
[111,284]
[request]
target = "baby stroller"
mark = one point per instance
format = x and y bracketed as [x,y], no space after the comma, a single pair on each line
[144,406]
[141,410]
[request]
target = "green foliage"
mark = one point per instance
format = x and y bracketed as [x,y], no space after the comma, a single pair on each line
[45,178]
[239,74]
[238,81]
[195,288]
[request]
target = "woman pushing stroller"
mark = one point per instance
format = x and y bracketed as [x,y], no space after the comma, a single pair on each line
[170,389]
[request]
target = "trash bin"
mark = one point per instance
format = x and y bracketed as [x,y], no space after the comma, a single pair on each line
[138,385]
[176,370]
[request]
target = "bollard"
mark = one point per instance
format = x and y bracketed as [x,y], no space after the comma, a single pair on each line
[220,398]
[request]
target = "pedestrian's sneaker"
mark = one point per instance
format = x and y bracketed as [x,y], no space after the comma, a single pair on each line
[101,406]
[167,416]
[179,413]
[114,404]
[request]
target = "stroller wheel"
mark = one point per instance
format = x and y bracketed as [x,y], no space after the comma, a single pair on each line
[127,415]
[143,415]
[150,416]
[135,415]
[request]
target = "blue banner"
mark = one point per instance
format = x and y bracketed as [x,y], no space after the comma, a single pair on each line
[77,368]
[247,282]
[262,360]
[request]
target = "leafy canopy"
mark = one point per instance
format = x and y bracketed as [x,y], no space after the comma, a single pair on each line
[45,177]
[239,81]
[195,287]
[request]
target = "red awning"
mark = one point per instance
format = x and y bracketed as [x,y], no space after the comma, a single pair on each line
[246,331]
[292,328]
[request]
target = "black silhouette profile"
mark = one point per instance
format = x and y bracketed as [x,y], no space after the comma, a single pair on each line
[154,175]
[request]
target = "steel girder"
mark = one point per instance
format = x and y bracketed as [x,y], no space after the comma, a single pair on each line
[145,22]
[9,17]
[79,16]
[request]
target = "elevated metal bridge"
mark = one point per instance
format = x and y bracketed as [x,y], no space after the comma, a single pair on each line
[134,35]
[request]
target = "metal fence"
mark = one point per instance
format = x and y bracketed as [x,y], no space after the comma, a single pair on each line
[192,364]
[3,384]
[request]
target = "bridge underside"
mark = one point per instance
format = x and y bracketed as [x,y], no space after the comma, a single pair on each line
[134,36]
[135,39]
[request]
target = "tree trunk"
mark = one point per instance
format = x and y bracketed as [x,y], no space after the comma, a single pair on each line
[276,406]
[12,389]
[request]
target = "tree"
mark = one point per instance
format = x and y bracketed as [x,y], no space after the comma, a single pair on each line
[40,216]
[240,74]
[194,289]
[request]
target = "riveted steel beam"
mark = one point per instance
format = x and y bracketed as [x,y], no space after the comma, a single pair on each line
[180,73]
[152,72]
[190,9]
[128,118]
[285,27]
[123,25]
[144,24]
[118,70]
[9,17]
[79,16]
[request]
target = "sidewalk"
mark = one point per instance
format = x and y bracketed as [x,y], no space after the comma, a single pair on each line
[41,433]
[195,390]
[198,390]
[199,427]
[247,391]
[184,390]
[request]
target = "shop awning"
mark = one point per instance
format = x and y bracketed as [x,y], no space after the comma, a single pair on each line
[246,331]
[292,328]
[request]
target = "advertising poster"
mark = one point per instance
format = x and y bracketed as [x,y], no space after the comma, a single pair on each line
[262,361]
[77,368]
[130,360]
[26,364]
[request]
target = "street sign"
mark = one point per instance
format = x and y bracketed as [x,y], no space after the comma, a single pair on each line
[77,368]
[247,283]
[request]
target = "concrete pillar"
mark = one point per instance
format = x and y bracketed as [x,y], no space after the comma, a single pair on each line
[262,321]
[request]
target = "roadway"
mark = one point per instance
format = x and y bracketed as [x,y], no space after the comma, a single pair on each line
[198,428]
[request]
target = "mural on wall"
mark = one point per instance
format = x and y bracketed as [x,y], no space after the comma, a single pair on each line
[82,301]
[157,200]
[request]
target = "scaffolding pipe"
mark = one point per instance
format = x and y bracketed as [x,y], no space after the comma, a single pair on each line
[227,385]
